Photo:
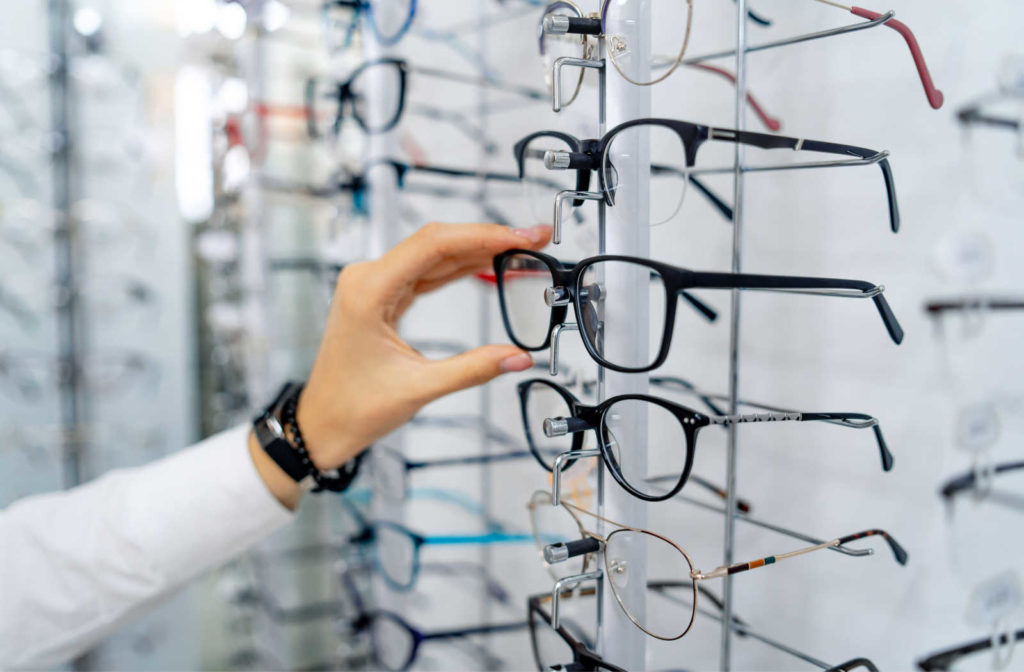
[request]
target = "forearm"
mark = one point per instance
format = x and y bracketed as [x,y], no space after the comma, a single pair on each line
[78,564]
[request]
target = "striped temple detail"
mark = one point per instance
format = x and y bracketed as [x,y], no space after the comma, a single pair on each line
[736,569]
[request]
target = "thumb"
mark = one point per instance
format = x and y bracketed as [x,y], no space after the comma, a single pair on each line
[474,367]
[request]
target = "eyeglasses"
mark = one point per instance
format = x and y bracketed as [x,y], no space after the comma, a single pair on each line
[396,643]
[564,32]
[944,660]
[604,317]
[568,642]
[567,647]
[567,540]
[389,21]
[397,548]
[329,101]
[979,481]
[391,469]
[555,422]
[668,149]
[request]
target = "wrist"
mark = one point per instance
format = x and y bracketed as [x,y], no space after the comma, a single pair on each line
[279,483]
[325,441]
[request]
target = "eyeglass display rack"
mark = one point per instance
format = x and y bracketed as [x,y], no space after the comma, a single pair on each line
[618,640]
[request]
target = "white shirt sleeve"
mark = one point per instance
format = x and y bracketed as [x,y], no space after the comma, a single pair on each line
[75,565]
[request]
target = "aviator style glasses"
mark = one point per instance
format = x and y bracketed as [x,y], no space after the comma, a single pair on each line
[536,289]
[561,533]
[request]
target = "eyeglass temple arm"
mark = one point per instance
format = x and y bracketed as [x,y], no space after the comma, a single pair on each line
[772,123]
[943,660]
[974,115]
[854,664]
[766,141]
[479,630]
[727,570]
[836,287]
[972,304]
[854,552]
[459,121]
[469,460]
[853,420]
[490,82]
[966,481]
[456,567]
[934,96]
[758,19]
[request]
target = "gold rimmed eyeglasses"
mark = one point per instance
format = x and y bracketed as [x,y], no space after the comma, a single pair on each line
[568,548]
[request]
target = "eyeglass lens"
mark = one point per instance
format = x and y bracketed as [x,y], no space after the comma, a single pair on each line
[666,619]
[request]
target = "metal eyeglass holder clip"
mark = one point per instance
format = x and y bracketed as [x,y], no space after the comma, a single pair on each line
[569,583]
[556,334]
[558,466]
[556,75]
[560,198]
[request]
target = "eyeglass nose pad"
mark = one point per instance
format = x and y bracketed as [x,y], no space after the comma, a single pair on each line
[619,570]
[556,334]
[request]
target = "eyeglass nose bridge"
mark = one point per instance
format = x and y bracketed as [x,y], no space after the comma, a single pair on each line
[570,582]
[556,334]
[562,197]
[559,466]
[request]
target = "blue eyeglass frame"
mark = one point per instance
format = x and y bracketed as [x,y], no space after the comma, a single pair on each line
[359,7]
[496,533]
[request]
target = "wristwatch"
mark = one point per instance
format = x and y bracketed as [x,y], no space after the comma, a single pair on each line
[269,428]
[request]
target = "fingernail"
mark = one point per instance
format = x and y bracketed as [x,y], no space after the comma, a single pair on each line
[520,362]
[534,234]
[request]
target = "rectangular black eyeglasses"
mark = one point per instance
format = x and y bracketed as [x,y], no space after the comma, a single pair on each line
[586,156]
[526,278]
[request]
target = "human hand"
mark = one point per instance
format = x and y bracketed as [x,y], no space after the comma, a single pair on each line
[366,381]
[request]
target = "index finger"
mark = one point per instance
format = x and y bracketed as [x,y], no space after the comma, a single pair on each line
[452,245]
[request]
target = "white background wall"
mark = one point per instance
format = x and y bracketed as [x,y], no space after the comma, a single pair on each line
[813,353]
[809,353]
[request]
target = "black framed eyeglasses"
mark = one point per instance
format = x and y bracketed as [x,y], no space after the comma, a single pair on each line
[396,642]
[944,660]
[556,422]
[979,481]
[536,289]
[668,149]
[329,101]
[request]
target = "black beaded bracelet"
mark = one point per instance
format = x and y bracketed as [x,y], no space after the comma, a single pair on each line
[335,480]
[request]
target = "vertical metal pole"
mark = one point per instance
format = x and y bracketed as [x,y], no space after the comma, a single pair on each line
[71,396]
[485,302]
[627,233]
[385,233]
[734,330]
